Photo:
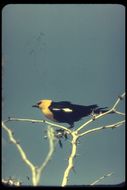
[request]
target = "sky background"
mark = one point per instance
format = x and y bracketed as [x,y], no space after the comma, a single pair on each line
[63,52]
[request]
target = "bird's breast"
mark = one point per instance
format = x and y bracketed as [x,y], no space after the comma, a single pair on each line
[48,114]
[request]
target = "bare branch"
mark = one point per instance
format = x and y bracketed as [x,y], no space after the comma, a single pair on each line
[103,127]
[118,112]
[39,121]
[36,172]
[51,137]
[101,178]
[102,114]
[119,98]
[22,153]
[71,158]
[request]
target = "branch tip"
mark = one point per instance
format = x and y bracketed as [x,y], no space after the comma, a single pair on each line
[120,97]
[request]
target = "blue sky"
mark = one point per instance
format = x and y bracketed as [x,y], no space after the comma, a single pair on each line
[63,52]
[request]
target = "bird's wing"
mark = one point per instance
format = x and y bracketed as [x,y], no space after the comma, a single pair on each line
[63,106]
[62,112]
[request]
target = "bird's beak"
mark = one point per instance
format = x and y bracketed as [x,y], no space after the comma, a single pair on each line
[36,106]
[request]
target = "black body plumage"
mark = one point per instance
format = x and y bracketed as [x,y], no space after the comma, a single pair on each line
[66,112]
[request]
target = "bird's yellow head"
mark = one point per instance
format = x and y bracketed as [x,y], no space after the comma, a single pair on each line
[43,104]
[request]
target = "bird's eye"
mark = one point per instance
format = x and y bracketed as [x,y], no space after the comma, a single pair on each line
[39,103]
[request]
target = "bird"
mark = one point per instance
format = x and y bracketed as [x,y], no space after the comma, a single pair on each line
[66,112]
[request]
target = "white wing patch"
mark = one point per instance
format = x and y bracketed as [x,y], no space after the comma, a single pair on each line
[64,109]
[56,109]
[67,110]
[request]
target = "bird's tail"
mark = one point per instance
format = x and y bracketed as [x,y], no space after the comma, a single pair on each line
[100,110]
[94,108]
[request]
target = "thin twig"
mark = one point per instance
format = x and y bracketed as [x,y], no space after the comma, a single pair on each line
[91,120]
[51,137]
[101,178]
[115,125]
[119,98]
[39,121]
[118,112]
[102,114]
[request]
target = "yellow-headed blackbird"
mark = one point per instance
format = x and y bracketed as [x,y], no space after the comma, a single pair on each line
[66,112]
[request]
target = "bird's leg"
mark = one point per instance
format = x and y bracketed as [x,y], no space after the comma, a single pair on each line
[61,133]
[60,143]
[93,114]
[65,135]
